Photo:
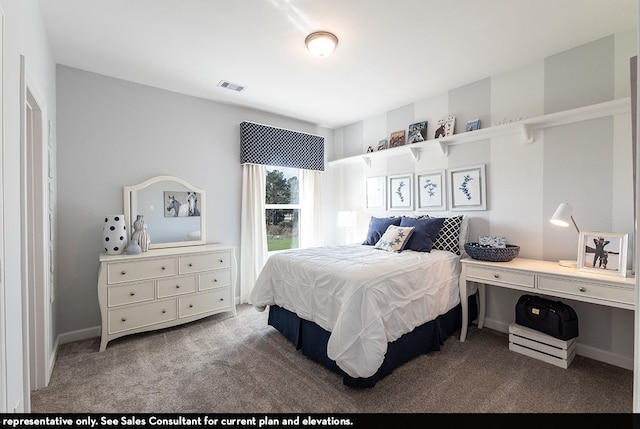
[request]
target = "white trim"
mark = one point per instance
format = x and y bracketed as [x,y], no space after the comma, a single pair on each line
[35,286]
[3,342]
[80,334]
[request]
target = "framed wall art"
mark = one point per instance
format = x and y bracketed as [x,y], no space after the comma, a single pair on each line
[181,204]
[468,188]
[603,253]
[473,125]
[417,132]
[397,138]
[431,192]
[382,144]
[400,192]
[376,192]
[445,127]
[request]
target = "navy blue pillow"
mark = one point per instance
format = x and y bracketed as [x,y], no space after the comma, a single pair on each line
[424,233]
[377,227]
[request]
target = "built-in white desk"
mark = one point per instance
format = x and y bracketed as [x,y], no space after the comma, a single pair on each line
[543,278]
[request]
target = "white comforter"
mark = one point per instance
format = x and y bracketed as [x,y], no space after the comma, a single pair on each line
[365,297]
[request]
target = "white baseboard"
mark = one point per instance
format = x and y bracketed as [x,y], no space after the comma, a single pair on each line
[82,334]
[581,349]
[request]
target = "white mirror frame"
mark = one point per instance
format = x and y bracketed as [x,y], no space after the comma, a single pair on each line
[130,217]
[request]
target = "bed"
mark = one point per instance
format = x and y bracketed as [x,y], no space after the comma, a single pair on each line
[361,311]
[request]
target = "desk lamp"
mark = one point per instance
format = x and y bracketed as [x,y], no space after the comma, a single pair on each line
[561,218]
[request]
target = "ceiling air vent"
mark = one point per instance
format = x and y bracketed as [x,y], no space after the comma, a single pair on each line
[231,86]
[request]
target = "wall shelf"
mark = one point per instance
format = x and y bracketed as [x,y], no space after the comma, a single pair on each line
[524,128]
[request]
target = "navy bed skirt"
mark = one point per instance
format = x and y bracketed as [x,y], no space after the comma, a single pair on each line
[312,340]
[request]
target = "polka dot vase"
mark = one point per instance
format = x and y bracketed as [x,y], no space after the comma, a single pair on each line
[114,234]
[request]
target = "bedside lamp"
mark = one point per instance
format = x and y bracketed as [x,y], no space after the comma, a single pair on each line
[561,217]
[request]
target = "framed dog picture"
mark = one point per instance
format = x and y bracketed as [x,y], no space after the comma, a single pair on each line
[603,253]
[445,127]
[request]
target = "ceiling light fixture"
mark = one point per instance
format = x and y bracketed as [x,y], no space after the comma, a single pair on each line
[321,43]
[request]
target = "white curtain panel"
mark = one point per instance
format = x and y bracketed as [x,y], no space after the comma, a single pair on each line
[311,218]
[253,232]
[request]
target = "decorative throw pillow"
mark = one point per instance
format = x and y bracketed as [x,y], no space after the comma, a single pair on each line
[395,238]
[449,236]
[425,231]
[377,227]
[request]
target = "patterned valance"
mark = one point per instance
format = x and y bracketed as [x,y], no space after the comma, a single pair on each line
[262,144]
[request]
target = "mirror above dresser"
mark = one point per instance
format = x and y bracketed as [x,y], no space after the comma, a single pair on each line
[173,211]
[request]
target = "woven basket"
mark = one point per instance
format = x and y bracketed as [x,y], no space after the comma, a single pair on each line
[493,254]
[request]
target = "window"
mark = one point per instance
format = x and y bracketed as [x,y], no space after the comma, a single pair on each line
[283,208]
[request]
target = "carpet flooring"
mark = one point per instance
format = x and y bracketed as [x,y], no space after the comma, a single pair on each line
[224,364]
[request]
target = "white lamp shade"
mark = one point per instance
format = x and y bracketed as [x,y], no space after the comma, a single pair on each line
[347,219]
[321,43]
[562,216]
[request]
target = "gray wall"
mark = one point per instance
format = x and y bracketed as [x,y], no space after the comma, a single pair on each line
[113,133]
[587,164]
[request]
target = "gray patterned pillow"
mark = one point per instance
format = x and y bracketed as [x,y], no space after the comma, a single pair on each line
[449,236]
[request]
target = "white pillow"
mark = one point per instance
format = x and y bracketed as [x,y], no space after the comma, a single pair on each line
[395,238]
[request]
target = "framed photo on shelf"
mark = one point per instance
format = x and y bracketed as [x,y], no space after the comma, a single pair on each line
[382,144]
[445,127]
[397,138]
[468,188]
[376,192]
[473,125]
[400,192]
[431,194]
[417,132]
[603,253]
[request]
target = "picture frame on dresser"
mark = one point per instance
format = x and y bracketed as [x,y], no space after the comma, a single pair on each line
[603,252]
[431,192]
[468,188]
[400,190]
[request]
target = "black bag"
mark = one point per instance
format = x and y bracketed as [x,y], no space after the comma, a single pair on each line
[550,317]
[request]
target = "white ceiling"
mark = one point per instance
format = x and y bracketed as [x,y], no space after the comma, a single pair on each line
[390,53]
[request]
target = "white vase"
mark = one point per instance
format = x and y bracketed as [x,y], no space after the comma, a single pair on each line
[133,248]
[114,234]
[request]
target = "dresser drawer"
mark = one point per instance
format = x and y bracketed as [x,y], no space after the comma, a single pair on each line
[204,262]
[492,275]
[214,279]
[120,272]
[204,302]
[138,316]
[130,293]
[586,289]
[176,286]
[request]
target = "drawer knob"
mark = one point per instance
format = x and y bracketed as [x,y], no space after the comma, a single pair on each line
[215,280]
[164,311]
[221,260]
[221,299]
[190,305]
[163,268]
[582,289]
[177,286]
[191,265]
[497,276]
[132,294]
[122,273]
[124,319]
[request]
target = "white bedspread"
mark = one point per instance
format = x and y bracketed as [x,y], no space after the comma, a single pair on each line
[365,297]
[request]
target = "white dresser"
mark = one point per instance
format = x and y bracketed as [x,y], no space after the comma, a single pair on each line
[164,287]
